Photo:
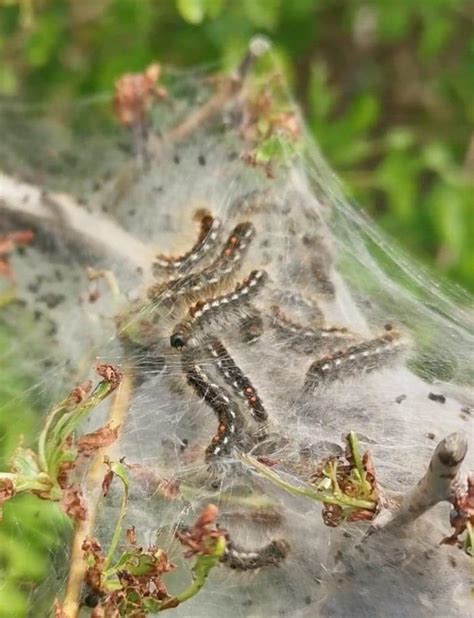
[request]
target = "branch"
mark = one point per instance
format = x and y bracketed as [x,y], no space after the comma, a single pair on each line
[226,91]
[58,211]
[441,482]
[77,565]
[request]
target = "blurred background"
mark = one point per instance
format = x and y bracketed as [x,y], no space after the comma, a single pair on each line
[386,87]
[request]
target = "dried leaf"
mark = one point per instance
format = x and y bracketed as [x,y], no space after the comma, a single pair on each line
[110,373]
[197,538]
[107,482]
[131,535]
[92,442]
[81,392]
[73,503]
[134,94]
[7,490]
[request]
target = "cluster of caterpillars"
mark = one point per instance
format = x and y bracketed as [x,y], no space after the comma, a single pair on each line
[197,293]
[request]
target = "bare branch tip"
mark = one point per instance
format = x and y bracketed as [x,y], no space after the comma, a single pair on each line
[452,450]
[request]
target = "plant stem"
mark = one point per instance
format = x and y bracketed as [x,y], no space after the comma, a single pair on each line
[118,525]
[443,475]
[328,498]
[59,212]
[355,451]
[69,421]
[201,570]
[77,565]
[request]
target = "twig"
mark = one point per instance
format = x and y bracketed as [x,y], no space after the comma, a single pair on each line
[443,477]
[227,90]
[308,492]
[49,210]
[77,566]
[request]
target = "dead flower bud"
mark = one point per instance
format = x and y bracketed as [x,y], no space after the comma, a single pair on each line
[135,93]
[462,511]
[197,537]
[7,491]
[110,374]
[131,535]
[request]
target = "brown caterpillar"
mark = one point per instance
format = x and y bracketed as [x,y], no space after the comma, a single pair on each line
[207,239]
[364,357]
[229,417]
[215,274]
[269,555]
[234,376]
[203,310]
[307,338]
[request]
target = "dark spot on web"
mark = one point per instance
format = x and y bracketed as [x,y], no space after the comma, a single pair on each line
[202,160]
[52,300]
[400,398]
[437,397]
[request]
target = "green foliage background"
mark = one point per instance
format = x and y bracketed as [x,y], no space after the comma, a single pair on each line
[387,87]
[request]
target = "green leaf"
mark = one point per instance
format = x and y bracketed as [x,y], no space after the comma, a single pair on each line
[120,471]
[192,11]
[13,602]
[202,567]
[262,13]
[25,463]
[23,562]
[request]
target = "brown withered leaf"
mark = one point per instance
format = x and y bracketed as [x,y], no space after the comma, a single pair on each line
[196,538]
[332,515]
[268,461]
[462,512]
[93,553]
[360,515]
[140,579]
[89,443]
[80,392]
[134,94]
[73,503]
[110,373]
[7,490]
[131,535]
[106,482]
[65,470]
